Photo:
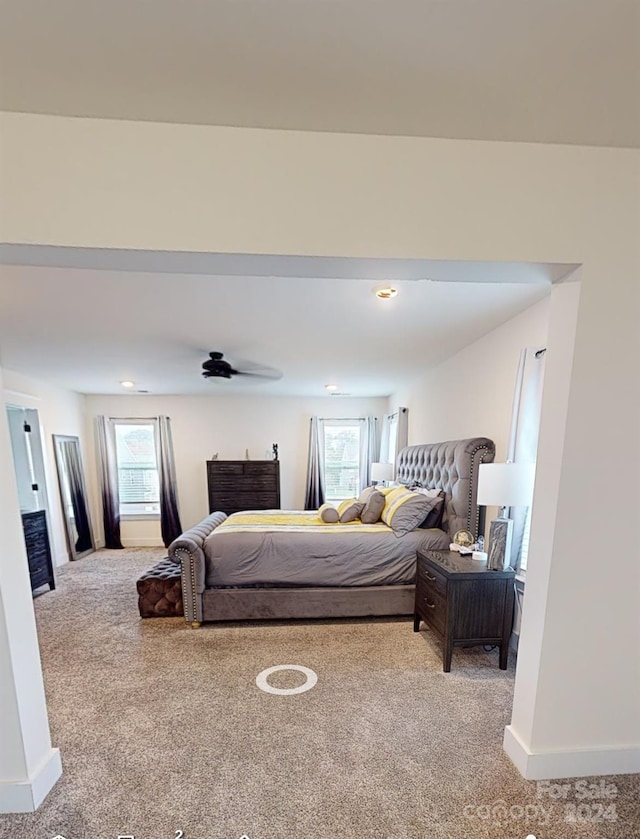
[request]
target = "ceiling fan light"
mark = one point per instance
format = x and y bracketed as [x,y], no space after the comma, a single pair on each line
[331,387]
[386,292]
[128,384]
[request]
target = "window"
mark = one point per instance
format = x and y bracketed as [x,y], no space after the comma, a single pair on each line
[342,447]
[138,483]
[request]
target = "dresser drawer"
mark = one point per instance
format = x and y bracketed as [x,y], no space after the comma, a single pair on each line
[231,468]
[244,483]
[431,607]
[39,577]
[245,500]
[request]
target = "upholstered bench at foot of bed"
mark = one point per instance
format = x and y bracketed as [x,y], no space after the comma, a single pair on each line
[160,591]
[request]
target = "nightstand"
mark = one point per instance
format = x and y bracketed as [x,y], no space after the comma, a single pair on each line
[463,602]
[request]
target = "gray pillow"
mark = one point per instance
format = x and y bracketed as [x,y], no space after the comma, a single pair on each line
[328,514]
[350,510]
[435,514]
[405,510]
[372,508]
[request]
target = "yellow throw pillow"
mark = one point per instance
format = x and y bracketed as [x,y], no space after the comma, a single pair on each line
[405,510]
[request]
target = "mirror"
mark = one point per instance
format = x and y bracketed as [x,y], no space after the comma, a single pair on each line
[73,495]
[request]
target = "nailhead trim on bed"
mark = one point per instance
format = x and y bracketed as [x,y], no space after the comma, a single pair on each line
[187,551]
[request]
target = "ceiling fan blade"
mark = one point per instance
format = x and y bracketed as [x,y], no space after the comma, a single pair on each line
[266,374]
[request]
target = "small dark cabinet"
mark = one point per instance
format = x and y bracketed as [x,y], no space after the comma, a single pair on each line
[464,603]
[236,485]
[36,538]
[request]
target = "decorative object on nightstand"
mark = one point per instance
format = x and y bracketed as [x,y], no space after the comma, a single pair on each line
[381,473]
[504,485]
[274,448]
[463,603]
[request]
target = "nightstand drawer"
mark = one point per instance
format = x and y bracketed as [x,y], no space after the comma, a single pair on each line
[431,607]
[435,582]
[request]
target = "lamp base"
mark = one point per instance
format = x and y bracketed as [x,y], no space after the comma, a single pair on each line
[500,535]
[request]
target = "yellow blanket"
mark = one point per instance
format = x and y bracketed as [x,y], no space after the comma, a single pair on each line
[293,520]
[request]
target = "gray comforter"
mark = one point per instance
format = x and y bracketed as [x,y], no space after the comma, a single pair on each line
[296,549]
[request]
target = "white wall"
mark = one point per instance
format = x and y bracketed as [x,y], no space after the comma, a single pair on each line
[60,411]
[231,190]
[29,766]
[471,393]
[202,425]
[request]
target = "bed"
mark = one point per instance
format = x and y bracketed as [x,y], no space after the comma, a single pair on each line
[288,564]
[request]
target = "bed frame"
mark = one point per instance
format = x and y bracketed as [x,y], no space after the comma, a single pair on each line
[451,466]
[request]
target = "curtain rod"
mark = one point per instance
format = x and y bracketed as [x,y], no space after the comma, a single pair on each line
[136,419]
[346,419]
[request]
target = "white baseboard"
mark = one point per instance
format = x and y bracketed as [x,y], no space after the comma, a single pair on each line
[580,763]
[142,542]
[27,796]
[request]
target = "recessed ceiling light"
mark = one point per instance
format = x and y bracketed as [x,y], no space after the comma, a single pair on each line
[386,293]
[128,384]
[331,387]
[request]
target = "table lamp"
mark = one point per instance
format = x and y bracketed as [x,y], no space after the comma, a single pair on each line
[504,485]
[381,472]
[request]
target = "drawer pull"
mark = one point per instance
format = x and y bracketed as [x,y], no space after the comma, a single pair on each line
[429,605]
[429,577]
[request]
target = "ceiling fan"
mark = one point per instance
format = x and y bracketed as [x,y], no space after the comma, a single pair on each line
[216,367]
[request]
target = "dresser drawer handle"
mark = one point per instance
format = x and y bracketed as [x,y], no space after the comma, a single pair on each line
[429,577]
[429,605]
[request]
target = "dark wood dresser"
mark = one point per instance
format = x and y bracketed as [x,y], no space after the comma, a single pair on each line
[236,485]
[36,538]
[464,603]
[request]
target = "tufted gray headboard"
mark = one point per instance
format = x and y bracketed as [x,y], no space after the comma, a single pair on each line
[453,467]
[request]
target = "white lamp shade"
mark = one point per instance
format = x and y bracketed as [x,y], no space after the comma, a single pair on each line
[382,472]
[506,484]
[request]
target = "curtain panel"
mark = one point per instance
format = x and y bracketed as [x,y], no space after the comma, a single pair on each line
[523,438]
[108,475]
[368,449]
[394,435]
[315,491]
[170,525]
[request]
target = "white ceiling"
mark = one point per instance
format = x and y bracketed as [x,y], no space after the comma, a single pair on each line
[89,329]
[561,71]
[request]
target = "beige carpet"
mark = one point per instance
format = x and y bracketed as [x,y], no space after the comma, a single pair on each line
[162,728]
